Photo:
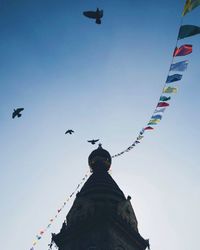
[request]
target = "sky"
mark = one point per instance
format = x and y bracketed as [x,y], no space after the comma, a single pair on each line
[102,81]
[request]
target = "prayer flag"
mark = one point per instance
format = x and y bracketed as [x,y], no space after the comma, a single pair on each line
[155,120]
[142,132]
[140,137]
[188,30]
[179,66]
[165,98]
[34,243]
[162,104]
[159,110]
[152,123]
[170,90]
[190,5]
[156,117]
[148,128]
[173,78]
[137,142]
[41,232]
[184,50]
[38,237]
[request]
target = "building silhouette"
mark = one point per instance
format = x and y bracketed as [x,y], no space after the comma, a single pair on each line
[101,217]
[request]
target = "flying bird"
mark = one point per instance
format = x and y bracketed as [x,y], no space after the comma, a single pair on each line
[93,141]
[69,131]
[98,14]
[17,112]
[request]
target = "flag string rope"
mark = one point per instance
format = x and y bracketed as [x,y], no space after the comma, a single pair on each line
[41,232]
[169,88]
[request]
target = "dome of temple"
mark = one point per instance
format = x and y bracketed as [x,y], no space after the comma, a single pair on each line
[99,159]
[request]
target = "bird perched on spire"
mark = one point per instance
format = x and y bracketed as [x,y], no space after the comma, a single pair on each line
[69,131]
[17,112]
[93,141]
[98,14]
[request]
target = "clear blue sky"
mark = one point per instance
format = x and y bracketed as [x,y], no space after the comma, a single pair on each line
[103,81]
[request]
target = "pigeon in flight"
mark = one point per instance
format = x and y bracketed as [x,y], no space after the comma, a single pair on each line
[93,141]
[97,15]
[16,112]
[69,131]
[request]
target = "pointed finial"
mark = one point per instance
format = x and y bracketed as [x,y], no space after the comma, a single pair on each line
[100,145]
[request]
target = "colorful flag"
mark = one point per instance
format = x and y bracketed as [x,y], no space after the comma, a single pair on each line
[173,78]
[179,66]
[154,121]
[188,30]
[165,98]
[170,90]
[162,104]
[148,128]
[159,110]
[156,117]
[34,243]
[184,50]
[190,5]
[38,237]
[142,132]
[137,142]
[140,137]
[41,232]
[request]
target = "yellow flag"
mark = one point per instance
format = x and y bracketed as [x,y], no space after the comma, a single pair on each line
[170,90]
[154,121]
[190,5]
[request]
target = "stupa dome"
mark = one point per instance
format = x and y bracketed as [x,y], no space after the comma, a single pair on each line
[99,159]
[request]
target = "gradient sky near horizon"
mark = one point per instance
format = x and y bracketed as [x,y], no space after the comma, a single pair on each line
[103,81]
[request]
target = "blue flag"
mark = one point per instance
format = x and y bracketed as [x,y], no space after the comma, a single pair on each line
[179,66]
[156,117]
[174,78]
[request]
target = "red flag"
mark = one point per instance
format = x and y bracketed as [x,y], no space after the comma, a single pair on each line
[183,50]
[41,232]
[162,104]
[148,128]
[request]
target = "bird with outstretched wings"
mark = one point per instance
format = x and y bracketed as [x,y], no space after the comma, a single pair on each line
[98,14]
[69,131]
[93,141]
[17,112]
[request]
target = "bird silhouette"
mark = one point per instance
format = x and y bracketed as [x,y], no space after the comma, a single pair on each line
[69,131]
[93,141]
[17,112]
[97,15]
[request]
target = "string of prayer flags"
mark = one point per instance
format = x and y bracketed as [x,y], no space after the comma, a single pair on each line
[169,90]
[179,66]
[190,5]
[188,30]
[41,232]
[184,50]
[174,78]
